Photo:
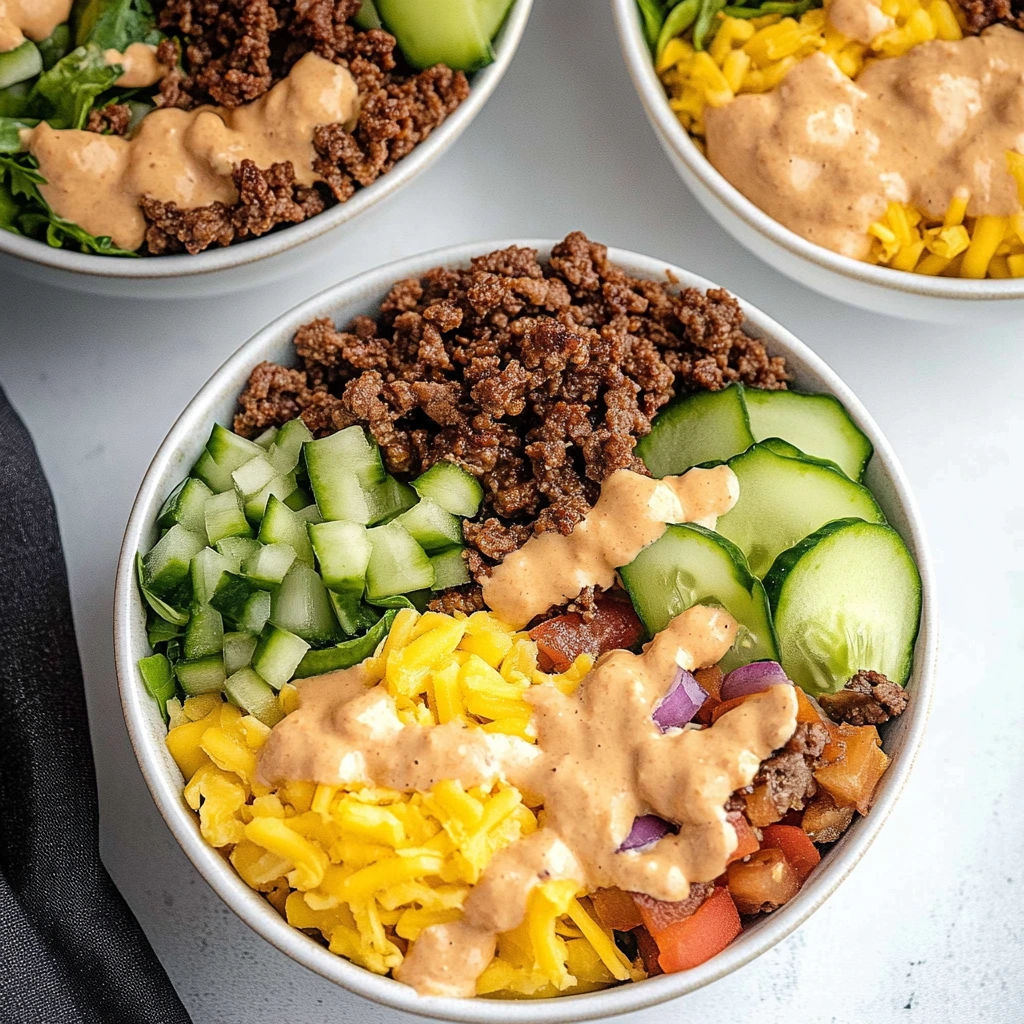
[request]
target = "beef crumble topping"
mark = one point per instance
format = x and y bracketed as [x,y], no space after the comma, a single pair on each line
[869,698]
[235,50]
[537,378]
[982,13]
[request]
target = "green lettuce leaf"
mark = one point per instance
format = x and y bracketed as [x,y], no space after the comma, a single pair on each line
[116,24]
[10,132]
[65,94]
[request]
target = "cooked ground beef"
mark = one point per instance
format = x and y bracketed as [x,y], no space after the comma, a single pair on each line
[867,699]
[809,739]
[790,780]
[235,50]
[982,13]
[538,378]
[112,119]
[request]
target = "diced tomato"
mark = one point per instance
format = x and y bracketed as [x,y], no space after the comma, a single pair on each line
[648,950]
[702,935]
[561,640]
[761,809]
[851,780]
[659,915]
[746,839]
[795,844]
[711,680]
[617,909]
[764,882]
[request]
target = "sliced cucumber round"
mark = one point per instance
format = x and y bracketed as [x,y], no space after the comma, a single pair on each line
[438,32]
[846,598]
[816,424]
[709,426]
[689,565]
[783,499]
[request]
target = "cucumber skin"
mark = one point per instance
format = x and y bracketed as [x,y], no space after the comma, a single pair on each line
[745,578]
[775,580]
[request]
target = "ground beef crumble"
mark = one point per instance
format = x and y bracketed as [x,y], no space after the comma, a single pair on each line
[538,378]
[113,119]
[869,698]
[982,13]
[235,50]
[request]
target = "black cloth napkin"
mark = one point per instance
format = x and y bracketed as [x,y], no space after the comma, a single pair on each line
[70,950]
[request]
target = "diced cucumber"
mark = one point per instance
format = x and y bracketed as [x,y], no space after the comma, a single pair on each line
[278,654]
[397,563]
[158,679]
[689,565]
[367,17]
[280,525]
[302,607]
[816,424]
[216,477]
[207,566]
[343,552]
[166,566]
[287,448]
[438,32]
[782,500]
[252,694]
[266,439]
[280,487]
[389,499]
[310,514]
[251,477]
[238,651]
[57,45]
[224,517]
[454,489]
[230,450]
[708,426]
[434,529]
[232,596]
[20,64]
[256,612]
[844,599]
[206,675]
[174,614]
[186,505]
[347,654]
[205,634]
[237,550]
[300,498]
[269,566]
[450,569]
[340,467]
[352,614]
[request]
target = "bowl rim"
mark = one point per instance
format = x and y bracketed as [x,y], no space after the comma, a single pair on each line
[677,139]
[166,787]
[212,261]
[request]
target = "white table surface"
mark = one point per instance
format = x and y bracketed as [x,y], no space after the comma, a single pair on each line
[928,928]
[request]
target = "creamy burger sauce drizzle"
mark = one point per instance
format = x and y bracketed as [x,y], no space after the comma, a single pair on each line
[599,761]
[824,155]
[140,68]
[30,19]
[186,157]
[631,513]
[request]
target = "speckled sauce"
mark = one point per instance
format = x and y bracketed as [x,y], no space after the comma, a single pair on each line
[824,155]
[30,19]
[599,762]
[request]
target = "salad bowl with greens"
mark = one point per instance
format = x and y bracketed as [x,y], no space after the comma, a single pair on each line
[149,143]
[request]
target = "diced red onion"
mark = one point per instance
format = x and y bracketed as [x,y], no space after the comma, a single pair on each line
[647,829]
[685,697]
[753,678]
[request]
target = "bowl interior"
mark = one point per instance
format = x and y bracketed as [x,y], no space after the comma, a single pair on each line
[684,151]
[216,403]
[483,83]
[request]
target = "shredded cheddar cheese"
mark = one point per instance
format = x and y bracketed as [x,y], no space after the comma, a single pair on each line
[369,868]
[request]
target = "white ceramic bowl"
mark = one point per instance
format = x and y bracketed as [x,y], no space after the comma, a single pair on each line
[258,260]
[879,289]
[216,402]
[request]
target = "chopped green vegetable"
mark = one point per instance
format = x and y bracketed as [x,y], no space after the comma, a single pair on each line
[115,24]
[707,20]
[159,680]
[679,19]
[650,11]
